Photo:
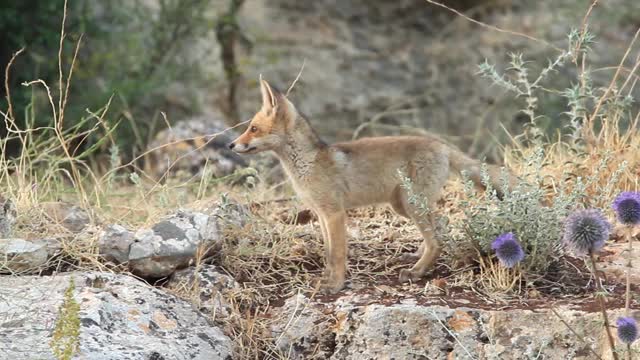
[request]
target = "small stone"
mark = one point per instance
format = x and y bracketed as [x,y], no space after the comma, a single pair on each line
[72,217]
[206,286]
[174,157]
[302,329]
[114,243]
[22,256]
[8,215]
[173,243]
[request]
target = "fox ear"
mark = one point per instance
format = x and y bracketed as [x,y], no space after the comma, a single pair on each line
[269,99]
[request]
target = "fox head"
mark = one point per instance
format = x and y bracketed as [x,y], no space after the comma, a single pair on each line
[269,127]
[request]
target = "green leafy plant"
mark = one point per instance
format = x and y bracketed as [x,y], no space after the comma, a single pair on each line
[66,335]
[128,55]
[577,171]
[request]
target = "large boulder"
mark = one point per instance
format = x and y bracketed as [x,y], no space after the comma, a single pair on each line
[119,318]
[302,329]
[364,327]
[372,64]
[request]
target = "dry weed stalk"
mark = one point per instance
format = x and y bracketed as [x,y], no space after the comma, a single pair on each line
[500,279]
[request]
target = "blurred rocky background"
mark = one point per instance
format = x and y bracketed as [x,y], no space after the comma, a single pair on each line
[370,67]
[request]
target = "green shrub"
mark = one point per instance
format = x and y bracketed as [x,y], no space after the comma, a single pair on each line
[128,50]
[525,210]
[582,169]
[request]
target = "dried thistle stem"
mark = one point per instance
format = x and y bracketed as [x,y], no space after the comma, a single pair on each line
[603,309]
[627,302]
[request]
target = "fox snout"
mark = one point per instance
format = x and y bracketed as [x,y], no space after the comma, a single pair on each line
[241,147]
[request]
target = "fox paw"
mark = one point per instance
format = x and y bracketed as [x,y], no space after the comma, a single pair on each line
[408,258]
[331,286]
[407,275]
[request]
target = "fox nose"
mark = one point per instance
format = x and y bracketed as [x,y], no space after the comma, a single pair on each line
[232,145]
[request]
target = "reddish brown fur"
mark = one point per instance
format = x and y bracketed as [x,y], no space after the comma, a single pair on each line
[333,178]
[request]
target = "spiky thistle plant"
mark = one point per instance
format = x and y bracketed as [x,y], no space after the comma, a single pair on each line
[627,208]
[586,232]
[508,250]
[627,330]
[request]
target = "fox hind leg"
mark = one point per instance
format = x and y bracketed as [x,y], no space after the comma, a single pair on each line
[427,182]
[397,203]
[430,251]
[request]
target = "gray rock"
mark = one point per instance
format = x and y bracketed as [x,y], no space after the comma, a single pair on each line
[301,325]
[22,256]
[190,145]
[7,217]
[228,213]
[120,318]
[173,243]
[205,286]
[76,219]
[114,242]
[71,217]
[409,330]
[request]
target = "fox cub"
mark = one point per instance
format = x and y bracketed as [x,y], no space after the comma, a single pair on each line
[333,178]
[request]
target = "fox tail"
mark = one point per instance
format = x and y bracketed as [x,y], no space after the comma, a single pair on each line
[459,162]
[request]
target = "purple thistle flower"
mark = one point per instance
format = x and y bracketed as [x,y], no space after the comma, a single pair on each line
[627,329]
[627,207]
[586,231]
[508,249]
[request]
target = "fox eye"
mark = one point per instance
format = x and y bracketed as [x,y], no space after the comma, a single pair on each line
[254,129]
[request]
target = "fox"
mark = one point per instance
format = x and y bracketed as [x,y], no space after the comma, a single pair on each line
[333,178]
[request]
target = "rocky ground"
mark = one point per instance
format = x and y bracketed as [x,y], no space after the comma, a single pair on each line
[120,318]
[167,292]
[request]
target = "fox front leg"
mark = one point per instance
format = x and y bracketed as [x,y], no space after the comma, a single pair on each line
[335,252]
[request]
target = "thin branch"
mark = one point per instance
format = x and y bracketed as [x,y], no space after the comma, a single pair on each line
[6,84]
[583,27]
[580,337]
[615,76]
[495,28]
[40,81]
[60,48]
[297,77]
[68,83]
